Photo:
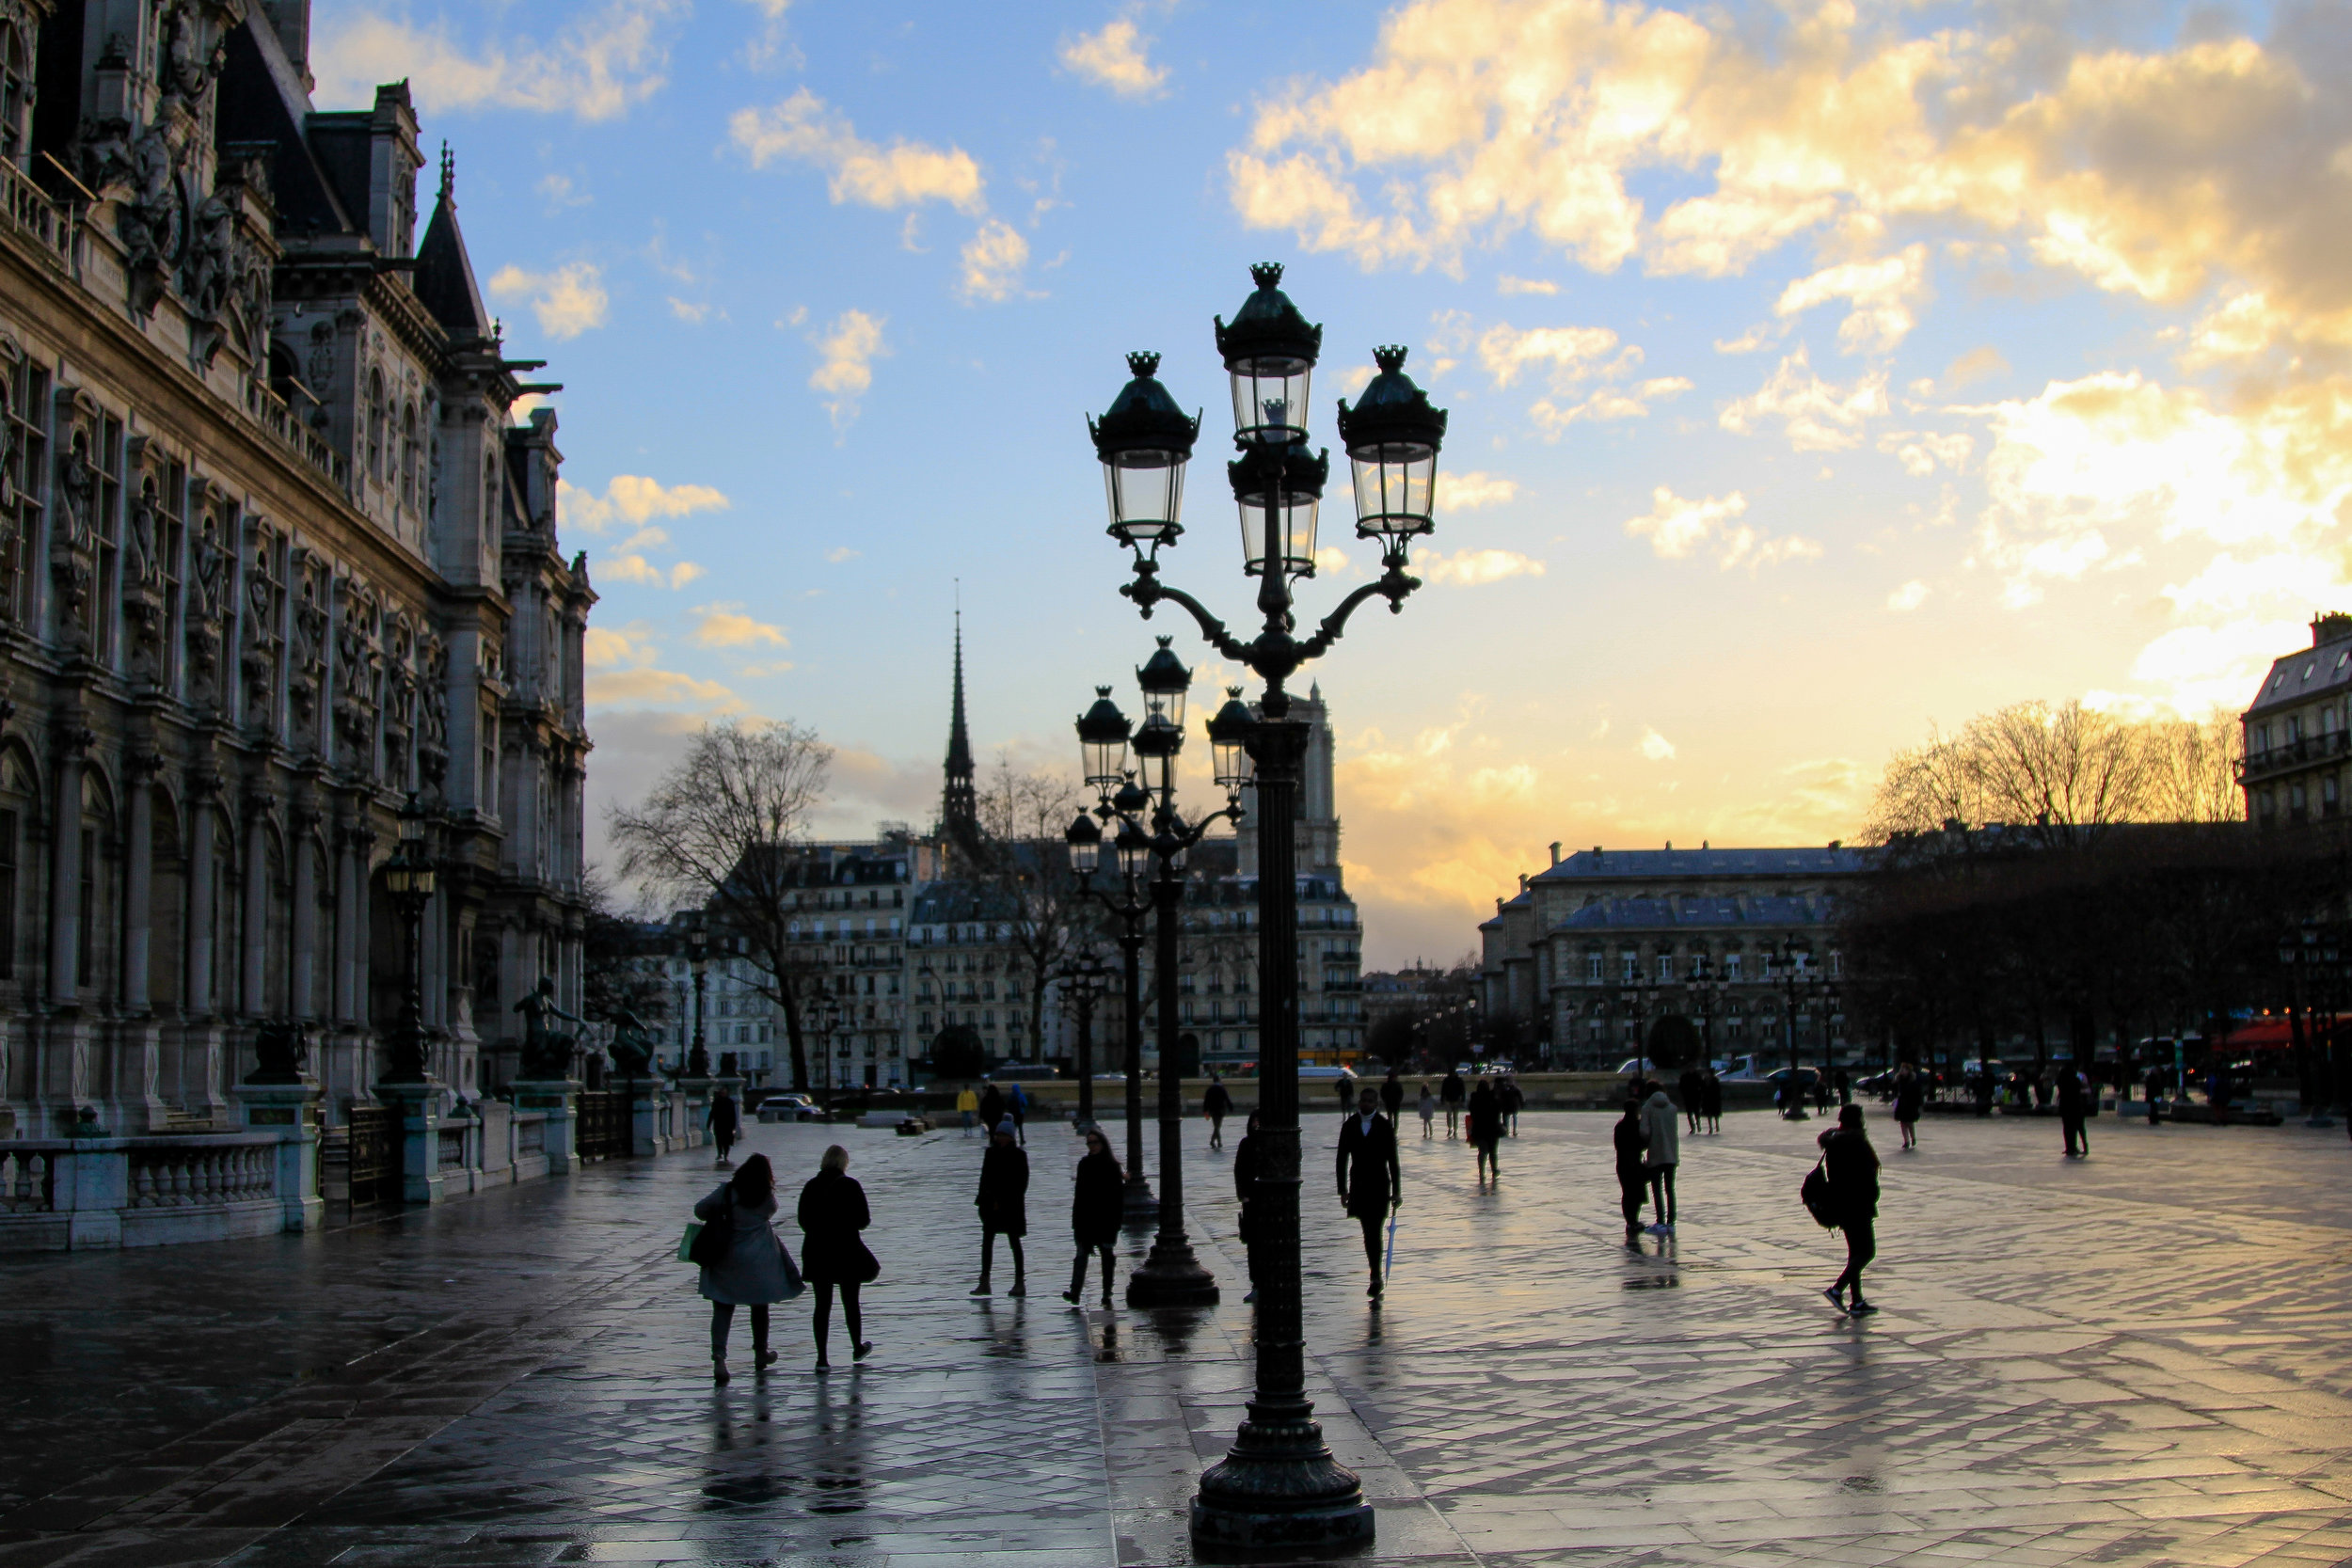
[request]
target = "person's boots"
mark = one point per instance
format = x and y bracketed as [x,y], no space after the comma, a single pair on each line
[1077,1282]
[1020,1280]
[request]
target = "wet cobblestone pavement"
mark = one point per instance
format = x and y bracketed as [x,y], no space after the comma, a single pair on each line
[2142,1358]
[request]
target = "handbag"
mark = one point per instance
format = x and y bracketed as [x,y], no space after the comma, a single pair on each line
[708,1244]
[1816,1193]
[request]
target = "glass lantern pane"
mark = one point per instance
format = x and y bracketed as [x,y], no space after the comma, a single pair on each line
[1300,536]
[1270,397]
[1145,490]
[1395,489]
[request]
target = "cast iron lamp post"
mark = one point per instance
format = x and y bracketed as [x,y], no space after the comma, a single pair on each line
[408,877]
[1084,978]
[698,956]
[1171,1276]
[1784,966]
[1278,1487]
[2299,954]
[1704,986]
[1102,732]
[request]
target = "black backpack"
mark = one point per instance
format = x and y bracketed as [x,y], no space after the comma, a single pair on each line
[1816,1194]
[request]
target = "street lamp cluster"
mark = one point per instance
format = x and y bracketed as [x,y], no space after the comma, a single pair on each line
[1278,1487]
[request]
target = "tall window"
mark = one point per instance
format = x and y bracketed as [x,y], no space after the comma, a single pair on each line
[16,97]
[408,454]
[1592,968]
[82,946]
[107,526]
[376,425]
[8,895]
[28,421]
[169,538]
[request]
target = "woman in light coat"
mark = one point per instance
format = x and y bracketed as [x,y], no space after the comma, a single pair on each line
[1661,1151]
[754,1271]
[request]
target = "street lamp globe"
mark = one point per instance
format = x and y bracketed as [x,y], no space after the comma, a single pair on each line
[1392,437]
[1133,847]
[1103,732]
[1269,353]
[1144,441]
[1085,842]
[409,873]
[1165,681]
[1132,800]
[1229,742]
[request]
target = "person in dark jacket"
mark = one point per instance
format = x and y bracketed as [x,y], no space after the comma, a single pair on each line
[2074,1103]
[1512,1098]
[754,1272]
[1909,1093]
[1711,1099]
[1451,1093]
[1216,1105]
[1392,1096]
[1247,1167]
[1095,1206]
[1003,1203]
[1485,1128]
[833,1255]
[1851,1167]
[724,1122]
[1371,1182]
[992,1108]
[1632,1177]
[1691,1089]
[2156,1092]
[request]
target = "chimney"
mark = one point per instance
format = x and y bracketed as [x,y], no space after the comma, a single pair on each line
[2332,627]
[291,21]
[1555,851]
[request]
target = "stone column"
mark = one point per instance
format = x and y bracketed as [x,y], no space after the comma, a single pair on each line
[301,998]
[291,1111]
[138,1104]
[201,1029]
[254,988]
[65,877]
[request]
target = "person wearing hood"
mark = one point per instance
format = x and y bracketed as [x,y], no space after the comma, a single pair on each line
[1095,1208]
[1632,1181]
[1661,1151]
[1485,1128]
[1003,1203]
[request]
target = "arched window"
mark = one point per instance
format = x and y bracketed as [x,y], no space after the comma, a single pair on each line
[376,425]
[408,454]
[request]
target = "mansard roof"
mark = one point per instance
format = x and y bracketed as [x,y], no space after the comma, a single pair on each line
[261,102]
[444,277]
[1772,912]
[1602,864]
[2322,670]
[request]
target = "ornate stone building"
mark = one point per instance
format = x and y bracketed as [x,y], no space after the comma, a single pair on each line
[275,556]
[2298,732]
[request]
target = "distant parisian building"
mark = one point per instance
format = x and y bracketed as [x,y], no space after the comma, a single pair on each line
[2298,732]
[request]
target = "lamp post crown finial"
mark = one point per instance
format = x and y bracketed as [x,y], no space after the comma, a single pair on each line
[1143,363]
[1267,274]
[1389,356]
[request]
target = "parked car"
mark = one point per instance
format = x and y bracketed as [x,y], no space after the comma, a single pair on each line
[1806,1078]
[1311,1073]
[1029,1072]
[791,1106]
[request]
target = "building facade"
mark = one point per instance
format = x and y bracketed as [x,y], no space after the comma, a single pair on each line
[2297,766]
[274,558]
[1595,948]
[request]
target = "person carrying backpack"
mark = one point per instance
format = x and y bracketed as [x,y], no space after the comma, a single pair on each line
[1851,1167]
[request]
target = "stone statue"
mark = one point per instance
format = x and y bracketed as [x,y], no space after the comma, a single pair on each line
[281,1049]
[547,1053]
[631,1050]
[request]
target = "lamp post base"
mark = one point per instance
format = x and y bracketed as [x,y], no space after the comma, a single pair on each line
[1138,1203]
[1171,1276]
[1279,1490]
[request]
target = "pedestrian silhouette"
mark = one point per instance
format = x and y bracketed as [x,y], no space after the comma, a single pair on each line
[1095,1206]
[753,1270]
[833,1255]
[1003,1203]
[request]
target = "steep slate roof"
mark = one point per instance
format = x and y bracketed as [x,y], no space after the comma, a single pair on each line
[444,278]
[1618,865]
[262,99]
[2325,669]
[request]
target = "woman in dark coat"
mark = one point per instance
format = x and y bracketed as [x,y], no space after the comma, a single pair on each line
[1851,1167]
[833,1212]
[1907,1100]
[1711,1100]
[1003,1203]
[1096,1206]
[755,1270]
[1246,1161]
[1485,1127]
[1632,1176]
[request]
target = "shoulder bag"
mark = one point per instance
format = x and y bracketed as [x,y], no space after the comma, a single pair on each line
[707,1243]
[1816,1193]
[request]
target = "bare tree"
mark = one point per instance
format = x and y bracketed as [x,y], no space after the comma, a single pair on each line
[1025,868]
[723,827]
[2192,767]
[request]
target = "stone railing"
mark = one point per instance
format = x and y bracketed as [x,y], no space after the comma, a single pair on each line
[28,1181]
[272,413]
[62,1194]
[30,212]
[192,1174]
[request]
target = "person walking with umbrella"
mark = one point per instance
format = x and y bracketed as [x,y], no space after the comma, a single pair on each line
[1371,1181]
[833,1210]
[1851,1167]
[1095,1204]
[1003,1203]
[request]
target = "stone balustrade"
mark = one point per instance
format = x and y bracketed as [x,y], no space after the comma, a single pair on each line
[78,1193]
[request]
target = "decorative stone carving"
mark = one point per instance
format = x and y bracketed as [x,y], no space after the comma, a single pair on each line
[208,600]
[143,596]
[264,639]
[433,710]
[306,667]
[73,537]
[322,364]
[359,674]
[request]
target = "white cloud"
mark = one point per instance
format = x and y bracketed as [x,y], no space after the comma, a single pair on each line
[1506,284]
[568,301]
[805,129]
[1608,402]
[1910,596]
[560,191]
[1676,528]
[1882,293]
[1474,568]
[1817,415]
[1467,492]
[847,350]
[992,262]
[1754,337]
[1573,353]
[1920,450]
[598,64]
[1656,747]
[726,625]
[840,553]
[1116,57]
[634,500]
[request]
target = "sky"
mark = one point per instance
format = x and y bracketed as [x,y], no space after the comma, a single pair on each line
[1819,373]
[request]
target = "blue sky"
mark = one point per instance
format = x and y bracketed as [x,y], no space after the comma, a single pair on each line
[1818,372]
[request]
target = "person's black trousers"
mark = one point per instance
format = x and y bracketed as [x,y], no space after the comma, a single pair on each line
[1370,1220]
[2078,1135]
[1662,1193]
[1632,1190]
[1862,1245]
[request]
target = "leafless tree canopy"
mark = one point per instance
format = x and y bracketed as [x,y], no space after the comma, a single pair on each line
[2065,772]
[720,829]
[1021,816]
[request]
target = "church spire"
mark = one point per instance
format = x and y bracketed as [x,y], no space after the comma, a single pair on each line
[959,809]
